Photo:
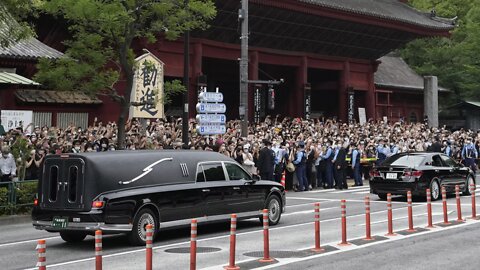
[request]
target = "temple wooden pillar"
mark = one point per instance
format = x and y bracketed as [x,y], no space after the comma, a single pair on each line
[298,96]
[371,102]
[342,93]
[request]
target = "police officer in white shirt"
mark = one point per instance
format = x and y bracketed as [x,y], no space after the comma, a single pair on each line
[8,167]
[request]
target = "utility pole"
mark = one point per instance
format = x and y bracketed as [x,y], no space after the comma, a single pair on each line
[186,82]
[243,109]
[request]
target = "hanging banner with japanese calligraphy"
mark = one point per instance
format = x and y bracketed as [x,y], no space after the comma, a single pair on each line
[147,89]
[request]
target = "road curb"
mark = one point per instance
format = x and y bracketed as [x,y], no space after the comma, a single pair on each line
[14,219]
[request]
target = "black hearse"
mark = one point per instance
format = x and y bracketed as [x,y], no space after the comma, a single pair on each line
[122,191]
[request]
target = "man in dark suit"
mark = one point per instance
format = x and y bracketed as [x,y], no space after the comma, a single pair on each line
[436,146]
[340,167]
[266,161]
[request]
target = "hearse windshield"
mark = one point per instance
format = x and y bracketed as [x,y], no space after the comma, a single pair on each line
[404,161]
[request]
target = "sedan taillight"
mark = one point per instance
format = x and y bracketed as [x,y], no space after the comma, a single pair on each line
[413,173]
[374,173]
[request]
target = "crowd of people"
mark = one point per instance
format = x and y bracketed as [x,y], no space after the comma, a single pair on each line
[308,153]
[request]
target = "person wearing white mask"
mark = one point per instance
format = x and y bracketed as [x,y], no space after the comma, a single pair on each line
[8,168]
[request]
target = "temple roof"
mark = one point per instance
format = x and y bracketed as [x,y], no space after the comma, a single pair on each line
[30,48]
[394,73]
[359,29]
[55,97]
[386,9]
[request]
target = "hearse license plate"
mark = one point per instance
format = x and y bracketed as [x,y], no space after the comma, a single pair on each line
[391,176]
[60,222]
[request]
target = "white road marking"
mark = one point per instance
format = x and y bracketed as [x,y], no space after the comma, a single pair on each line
[308,211]
[403,217]
[355,247]
[349,191]
[333,190]
[27,241]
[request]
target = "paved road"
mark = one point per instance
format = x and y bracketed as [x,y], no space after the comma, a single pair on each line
[289,240]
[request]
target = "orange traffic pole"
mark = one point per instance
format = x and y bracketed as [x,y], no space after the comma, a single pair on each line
[149,246]
[459,203]
[368,230]
[41,250]
[316,216]
[474,205]
[410,212]
[193,245]
[343,205]
[390,215]
[429,209]
[98,250]
[444,201]
[266,241]
[233,233]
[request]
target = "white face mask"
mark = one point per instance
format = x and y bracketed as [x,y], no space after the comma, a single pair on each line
[5,155]
[104,145]
[77,148]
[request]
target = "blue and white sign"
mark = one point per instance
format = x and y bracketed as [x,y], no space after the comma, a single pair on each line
[211,118]
[211,108]
[211,129]
[210,97]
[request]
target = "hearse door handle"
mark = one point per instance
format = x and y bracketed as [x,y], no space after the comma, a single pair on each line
[65,185]
[436,170]
[236,188]
[206,190]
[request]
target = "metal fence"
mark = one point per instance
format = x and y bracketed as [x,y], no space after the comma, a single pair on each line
[17,197]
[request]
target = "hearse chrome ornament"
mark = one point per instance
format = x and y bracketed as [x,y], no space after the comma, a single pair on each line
[146,171]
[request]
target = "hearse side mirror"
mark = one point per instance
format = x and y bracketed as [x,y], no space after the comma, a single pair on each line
[256,177]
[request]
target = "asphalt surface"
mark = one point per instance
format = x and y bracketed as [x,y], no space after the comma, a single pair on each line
[290,241]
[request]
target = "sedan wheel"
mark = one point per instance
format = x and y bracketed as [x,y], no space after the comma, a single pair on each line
[435,190]
[274,207]
[466,190]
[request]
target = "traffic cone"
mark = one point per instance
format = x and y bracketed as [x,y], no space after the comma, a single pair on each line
[282,181]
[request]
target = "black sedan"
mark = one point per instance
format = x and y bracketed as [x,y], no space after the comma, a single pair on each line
[418,171]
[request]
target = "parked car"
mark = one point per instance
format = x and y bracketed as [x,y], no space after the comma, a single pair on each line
[123,191]
[418,171]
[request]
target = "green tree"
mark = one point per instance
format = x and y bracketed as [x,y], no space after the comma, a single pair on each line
[455,60]
[100,52]
[13,27]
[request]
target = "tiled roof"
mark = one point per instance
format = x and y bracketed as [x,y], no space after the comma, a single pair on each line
[393,72]
[13,78]
[393,10]
[30,48]
[55,97]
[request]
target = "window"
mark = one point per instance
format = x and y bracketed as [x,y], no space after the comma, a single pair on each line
[235,172]
[53,183]
[437,161]
[72,183]
[210,172]
[404,160]
[448,162]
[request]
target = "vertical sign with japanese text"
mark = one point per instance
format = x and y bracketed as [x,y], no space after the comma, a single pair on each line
[257,104]
[351,106]
[147,89]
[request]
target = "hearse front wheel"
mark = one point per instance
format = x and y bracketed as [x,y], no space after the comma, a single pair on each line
[138,235]
[274,207]
[73,237]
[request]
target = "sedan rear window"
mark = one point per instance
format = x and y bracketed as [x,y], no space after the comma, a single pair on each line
[404,161]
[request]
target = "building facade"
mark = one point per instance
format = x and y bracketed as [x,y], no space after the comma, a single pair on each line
[326,52]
